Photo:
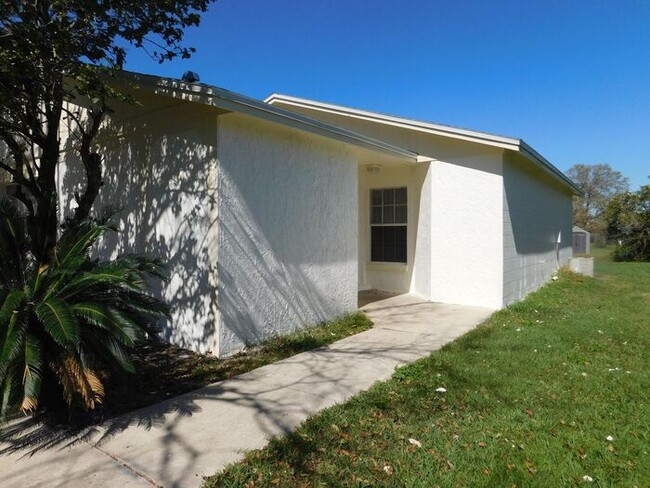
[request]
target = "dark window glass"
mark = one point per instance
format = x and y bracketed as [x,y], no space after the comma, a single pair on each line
[389,243]
[400,214]
[388,217]
[376,215]
[389,196]
[376,197]
[400,196]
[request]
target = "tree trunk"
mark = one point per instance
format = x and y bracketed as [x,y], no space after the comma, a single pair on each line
[44,223]
[93,165]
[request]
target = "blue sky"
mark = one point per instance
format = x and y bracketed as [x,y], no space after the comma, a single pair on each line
[572,78]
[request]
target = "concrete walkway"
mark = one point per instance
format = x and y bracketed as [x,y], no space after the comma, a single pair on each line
[177,442]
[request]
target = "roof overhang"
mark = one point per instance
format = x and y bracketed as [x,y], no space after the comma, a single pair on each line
[233,102]
[533,156]
[507,143]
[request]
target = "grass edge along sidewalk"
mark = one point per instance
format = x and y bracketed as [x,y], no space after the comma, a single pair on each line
[551,391]
[169,371]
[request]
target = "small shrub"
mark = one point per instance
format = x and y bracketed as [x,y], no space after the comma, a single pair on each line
[64,322]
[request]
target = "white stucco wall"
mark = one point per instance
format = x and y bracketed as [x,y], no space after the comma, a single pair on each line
[536,210]
[160,170]
[467,262]
[422,259]
[455,245]
[288,231]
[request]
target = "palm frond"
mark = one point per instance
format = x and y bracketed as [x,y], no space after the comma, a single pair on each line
[113,352]
[78,381]
[13,331]
[73,246]
[10,393]
[32,375]
[89,281]
[142,303]
[122,327]
[146,266]
[59,321]
[73,315]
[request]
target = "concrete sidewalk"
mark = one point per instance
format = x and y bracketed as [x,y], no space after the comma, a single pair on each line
[177,442]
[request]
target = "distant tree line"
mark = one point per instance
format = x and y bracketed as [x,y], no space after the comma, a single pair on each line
[608,208]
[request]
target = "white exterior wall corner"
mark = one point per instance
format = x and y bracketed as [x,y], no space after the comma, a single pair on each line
[287,231]
[160,165]
[536,210]
[422,260]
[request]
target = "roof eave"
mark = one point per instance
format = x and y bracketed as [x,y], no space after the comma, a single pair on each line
[507,143]
[234,102]
[532,155]
[437,129]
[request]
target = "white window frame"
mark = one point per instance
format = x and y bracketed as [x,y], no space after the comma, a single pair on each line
[398,224]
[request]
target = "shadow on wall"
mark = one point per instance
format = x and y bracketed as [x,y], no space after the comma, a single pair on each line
[156,173]
[537,214]
[287,224]
[260,295]
[262,218]
[537,210]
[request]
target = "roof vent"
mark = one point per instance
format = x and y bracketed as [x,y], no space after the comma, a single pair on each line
[190,77]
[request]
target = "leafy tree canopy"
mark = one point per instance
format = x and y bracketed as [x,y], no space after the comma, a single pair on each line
[57,50]
[628,222]
[599,182]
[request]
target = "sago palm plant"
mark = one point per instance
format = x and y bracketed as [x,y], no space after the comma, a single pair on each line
[64,322]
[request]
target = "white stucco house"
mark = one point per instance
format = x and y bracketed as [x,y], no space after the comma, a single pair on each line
[274,214]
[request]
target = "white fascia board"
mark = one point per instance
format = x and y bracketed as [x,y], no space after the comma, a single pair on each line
[508,143]
[234,102]
[532,155]
[437,129]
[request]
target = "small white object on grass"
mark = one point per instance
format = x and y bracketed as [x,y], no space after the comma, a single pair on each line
[441,390]
[609,438]
[554,278]
[583,374]
[587,478]
[415,442]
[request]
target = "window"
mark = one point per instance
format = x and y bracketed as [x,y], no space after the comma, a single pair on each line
[388,225]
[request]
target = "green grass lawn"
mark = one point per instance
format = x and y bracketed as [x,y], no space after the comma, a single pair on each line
[602,254]
[531,399]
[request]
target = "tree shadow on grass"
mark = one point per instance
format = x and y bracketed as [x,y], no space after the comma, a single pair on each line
[271,401]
